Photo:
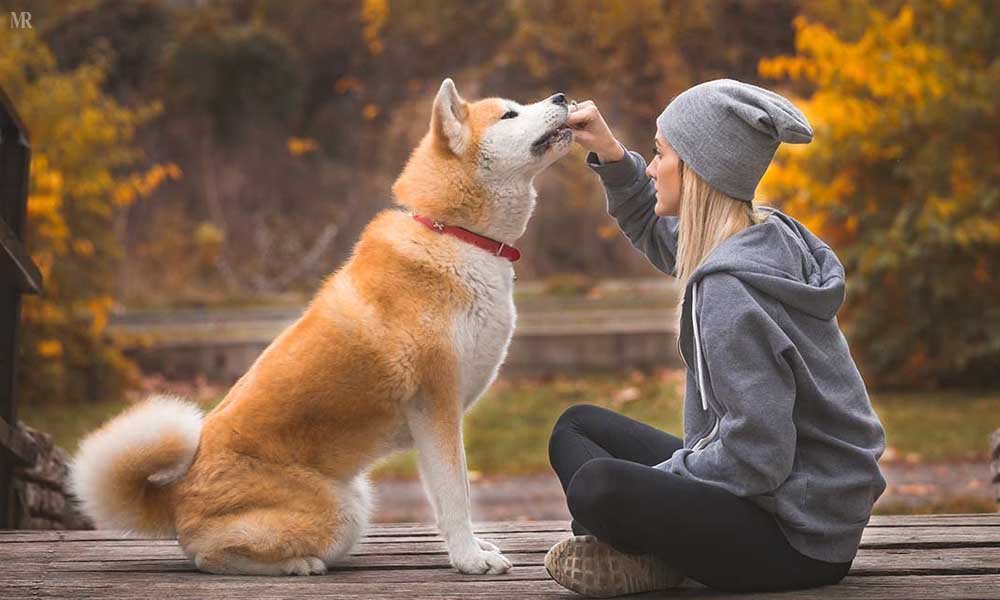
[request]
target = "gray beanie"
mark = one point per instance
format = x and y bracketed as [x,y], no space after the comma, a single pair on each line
[727,131]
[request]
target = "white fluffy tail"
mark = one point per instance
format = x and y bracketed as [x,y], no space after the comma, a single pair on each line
[122,473]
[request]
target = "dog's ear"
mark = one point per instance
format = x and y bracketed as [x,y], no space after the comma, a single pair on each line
[450,119]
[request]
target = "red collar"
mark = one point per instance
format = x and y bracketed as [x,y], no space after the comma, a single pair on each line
[490,245]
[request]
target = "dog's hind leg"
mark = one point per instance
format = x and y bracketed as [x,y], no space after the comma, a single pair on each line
[226,562]
[264,542]
[353,512]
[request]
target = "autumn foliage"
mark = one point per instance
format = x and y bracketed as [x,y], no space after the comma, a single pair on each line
[198,154]
[902,180]
[84,172]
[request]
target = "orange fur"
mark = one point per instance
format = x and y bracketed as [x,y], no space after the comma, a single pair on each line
[387,354]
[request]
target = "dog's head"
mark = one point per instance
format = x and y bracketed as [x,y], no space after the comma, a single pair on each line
[500,136]
[476,163]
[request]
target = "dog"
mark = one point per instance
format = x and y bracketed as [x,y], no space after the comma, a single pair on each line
[389,353]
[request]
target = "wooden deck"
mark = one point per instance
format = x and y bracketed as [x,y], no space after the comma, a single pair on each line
[934,556]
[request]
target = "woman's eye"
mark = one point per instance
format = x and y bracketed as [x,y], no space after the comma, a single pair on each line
[510,114]
[656,152]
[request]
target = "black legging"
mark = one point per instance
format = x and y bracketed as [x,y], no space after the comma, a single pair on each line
[723,541]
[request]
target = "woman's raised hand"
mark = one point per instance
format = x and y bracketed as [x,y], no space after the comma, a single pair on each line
[592,132]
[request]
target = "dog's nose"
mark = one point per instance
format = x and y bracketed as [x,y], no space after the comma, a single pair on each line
[559,98]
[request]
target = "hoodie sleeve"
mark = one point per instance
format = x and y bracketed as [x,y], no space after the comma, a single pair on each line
[749,376]
[631,198]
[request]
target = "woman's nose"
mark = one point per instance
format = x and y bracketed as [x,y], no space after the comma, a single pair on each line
[559,98]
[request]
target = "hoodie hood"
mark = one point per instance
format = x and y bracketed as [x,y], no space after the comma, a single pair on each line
[779,257]
[783,259]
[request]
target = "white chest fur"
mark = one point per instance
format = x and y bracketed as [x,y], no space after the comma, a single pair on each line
[482,332]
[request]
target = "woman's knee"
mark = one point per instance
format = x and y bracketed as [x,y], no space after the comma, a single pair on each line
[577,415]
[592,491]
[570,422]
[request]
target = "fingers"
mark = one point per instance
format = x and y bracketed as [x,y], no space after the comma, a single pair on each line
[583,116]
[589,129]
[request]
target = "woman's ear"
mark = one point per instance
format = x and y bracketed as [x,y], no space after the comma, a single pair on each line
[450,119]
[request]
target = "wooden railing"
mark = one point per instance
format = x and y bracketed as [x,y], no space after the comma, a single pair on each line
[18,275]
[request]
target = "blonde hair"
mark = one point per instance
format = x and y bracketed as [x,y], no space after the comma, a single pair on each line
[707,218]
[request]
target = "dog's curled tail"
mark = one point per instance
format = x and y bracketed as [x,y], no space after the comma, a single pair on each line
[123,473]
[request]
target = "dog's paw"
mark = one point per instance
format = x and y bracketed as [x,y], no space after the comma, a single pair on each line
[481,562]
[307,565]
[484,545]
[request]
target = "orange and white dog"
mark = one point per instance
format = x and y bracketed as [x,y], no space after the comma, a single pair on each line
[394,347]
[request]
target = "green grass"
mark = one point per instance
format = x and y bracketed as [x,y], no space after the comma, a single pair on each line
[939,426]
[507,432]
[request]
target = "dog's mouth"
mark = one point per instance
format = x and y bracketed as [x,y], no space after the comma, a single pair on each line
[551,138]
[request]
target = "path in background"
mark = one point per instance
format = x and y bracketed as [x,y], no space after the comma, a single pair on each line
[540,497]
[616,324]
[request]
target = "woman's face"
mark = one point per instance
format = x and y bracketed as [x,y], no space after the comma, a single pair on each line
[665,169]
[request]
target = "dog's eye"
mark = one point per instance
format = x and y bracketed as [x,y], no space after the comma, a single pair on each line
[510,114]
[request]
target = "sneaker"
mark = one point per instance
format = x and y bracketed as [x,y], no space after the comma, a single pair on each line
[593,568]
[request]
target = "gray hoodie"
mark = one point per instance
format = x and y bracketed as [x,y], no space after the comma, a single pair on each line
[775,409]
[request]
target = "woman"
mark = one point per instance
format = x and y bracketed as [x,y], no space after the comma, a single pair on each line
[774,481]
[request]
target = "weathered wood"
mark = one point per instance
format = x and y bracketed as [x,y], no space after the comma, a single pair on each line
[958,536]
[493,529]
[118,586]
[17,263]
[17,274]
[933,561]
[927,556]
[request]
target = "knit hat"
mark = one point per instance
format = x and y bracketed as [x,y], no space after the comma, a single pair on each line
[728,131]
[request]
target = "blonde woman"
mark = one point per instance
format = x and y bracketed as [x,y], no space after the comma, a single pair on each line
[776,476]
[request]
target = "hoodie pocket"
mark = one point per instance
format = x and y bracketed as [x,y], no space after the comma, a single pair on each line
[792,500]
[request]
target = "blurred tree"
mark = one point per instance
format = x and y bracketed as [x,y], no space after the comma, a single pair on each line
[902,179]
[84,170]
[234,75]
[128,34]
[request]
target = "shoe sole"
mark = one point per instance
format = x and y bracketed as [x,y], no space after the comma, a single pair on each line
[592,568]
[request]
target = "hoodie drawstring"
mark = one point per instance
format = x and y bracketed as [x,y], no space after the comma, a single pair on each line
[697,344]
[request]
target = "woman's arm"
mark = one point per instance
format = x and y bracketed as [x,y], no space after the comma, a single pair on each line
[631,198]
[630,193]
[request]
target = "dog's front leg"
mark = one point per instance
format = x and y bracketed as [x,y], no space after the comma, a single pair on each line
[436,427]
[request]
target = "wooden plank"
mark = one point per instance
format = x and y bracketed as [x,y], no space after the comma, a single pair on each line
[929,556]
[382,530]
[930,537]
[932,561]
[884,537]
[184,586]
[977,519]
[523,553]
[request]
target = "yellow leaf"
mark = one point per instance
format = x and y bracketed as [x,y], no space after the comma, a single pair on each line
[299,146]
[50,348]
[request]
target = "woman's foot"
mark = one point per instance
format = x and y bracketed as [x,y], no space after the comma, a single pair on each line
[593,568]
